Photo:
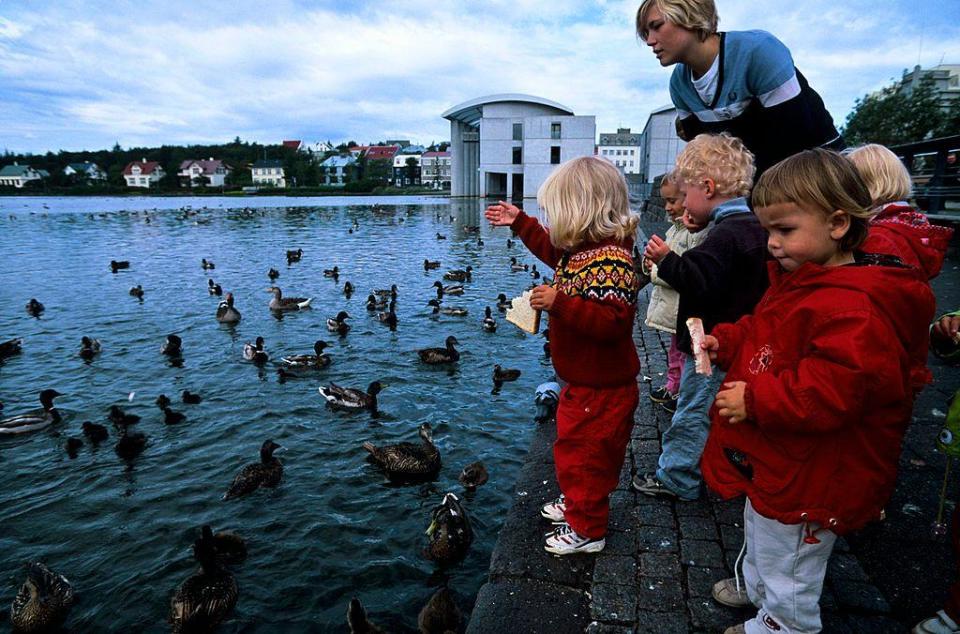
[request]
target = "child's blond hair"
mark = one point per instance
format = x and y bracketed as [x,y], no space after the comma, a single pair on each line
[822,180]
[720,157]
[886,176]
[693,15]
[586,200]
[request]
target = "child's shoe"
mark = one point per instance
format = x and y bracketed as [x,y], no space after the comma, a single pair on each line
[670,404]
[661,395]
[725,592]
[939,623]
[649,484]
[736,629]
[553,511]
[566,541]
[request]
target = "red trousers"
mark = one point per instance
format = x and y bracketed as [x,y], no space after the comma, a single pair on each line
[593,429]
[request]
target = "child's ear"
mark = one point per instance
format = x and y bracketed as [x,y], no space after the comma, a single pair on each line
[709,188]
[839,222]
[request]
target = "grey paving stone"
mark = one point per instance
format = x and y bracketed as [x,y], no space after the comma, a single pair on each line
[863,597]
[662,565]
[656,594]
[697,528]
[707,614]
[650,515]
[527,605]
[621,543]
[731,537]
[622,511]
[660,622]
[700,580]
[641,447]
[729,512]
[657,539]
[596,627]
[834,622]
[613,603]
[695,552]
[874,625]
[846,566]
[645,431]
[695,508]
[615,569]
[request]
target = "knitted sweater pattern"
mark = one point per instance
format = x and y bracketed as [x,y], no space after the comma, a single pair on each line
[602,273]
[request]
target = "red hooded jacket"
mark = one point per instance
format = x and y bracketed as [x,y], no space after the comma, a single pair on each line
[829,359]
[902,231]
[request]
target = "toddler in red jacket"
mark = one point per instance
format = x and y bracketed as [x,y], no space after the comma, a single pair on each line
[819,388]
[591,304]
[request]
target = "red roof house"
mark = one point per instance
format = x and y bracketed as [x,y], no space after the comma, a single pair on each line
[293,145]
[382,152]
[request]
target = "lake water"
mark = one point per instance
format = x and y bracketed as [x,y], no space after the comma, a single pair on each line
[334,528]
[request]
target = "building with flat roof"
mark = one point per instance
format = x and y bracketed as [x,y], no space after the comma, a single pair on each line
[622,148]
[506,145]
[660,143]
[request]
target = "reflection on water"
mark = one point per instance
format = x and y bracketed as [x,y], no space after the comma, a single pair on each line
[335,527]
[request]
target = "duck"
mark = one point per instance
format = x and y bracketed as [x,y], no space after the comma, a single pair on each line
[473,475]
[337,324]
[230,548]
[479,241]
[89,348]
[11,348]
[190,398]
[72,446]
[129,445]
[34,419]
[137,291]
[440,236]
[441,355]
[294,256]
[406,460]
[534,273]
[458,275]
[43,601]
[547,398]
[171,417]
[516,266]
[281,303]
[449,533]
[118,265]
[489,324]
[255,352]
[348,289]
[387,292]
[34,308]
[500,375]
[503,303]
[334,272]
[357,619]
[428,265]
[163,401]
[266,473]
[546,344]
[226,312]
[352,399]
[509,243]
[207,264]
[96,433]
[440,614]
[172,347]
[273,274]
[213,288]
[317,360]
[453,289]
[447,310]
[120,418]
[389,317]
[206,597]
[374,304]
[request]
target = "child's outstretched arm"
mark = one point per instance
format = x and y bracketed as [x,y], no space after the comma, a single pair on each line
[534,235]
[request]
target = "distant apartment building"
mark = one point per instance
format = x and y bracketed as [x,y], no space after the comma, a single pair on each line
[660,143]
[378,161]
[338,170]
[945,80]
[269,172]
[85,171]
[198,173]
[17,175]
[435,170]
[622,148]
[406,166]
[143,173]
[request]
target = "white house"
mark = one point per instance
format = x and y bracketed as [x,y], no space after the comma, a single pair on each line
[17,175]
[337,169]
[143,174]
[660,143]
[269,172]
[406,167]
[210,172]
[507,145]
[622,148]
[322,147]
[435,169]
[86,170]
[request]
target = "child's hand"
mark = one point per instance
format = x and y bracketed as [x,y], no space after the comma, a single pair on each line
[711,345]
[730,401]
[501,214]
[541,297]
[656,249]
[944,331]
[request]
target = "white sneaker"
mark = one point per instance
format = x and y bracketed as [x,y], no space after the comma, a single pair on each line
[553,511]
[566,541]
[939,623]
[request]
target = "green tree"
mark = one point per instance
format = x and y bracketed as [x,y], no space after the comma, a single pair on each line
[891,116]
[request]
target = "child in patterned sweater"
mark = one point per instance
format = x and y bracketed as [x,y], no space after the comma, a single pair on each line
[591,307]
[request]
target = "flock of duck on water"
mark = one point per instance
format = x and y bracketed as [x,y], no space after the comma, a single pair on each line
[208,596]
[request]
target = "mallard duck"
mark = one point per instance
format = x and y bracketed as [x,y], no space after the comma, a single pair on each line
[473,475]
[34,308]
[440,614]
[89,348]
[337,324]
[500,375]
[351,398]
[137,291]
[11,348]
[163,401]
[407,460]
[190,398]
[129,444]
[503,303]
[449,533]
[509,243]
[34,419]
[441,355]
[281,303]
[387,292]
[317,360]
[96,433]
[273,274]
[453,289]
[357,619]
[447,310]
[172,347]
[516,266]
[389,318]
[348,289]
[374,304]
[458,275]
[546,400]
[255,352]
[440,236]
[489,323]
[334,272]
[207,264]
[171,417]
[117,265]
[266,473]
[226,313]
[534,273]
[428,265]
[207,596]
[120,418]
[43,602]
[213,288]
[294,256]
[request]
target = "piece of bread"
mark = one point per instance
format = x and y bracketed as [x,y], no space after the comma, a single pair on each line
[522,315]
[701,357]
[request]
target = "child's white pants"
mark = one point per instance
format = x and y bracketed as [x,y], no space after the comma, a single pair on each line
[784,574]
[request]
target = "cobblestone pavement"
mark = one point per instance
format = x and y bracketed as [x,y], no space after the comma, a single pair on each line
[663,556]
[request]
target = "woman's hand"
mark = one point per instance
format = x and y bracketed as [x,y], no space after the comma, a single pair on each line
[711,344]
[731,403]
[656,249]
[541,297]
[501,214]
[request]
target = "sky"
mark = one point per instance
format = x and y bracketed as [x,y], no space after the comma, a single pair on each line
[85,75]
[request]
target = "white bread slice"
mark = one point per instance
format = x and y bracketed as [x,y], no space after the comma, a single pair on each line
[522,316]
[701,357]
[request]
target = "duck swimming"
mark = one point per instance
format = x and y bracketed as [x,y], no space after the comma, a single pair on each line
[440,614]
[449,533]
[43,602]
[273,274]
[337,324]
[226,313]
[334,272]
[214,289]
[407,460]
[473,475]
[453,289]
[171,417]
[207,596]
[255,352]
[503,303]
[389,318]
[317,360]
[352,399]
[347,289]
[266,473]
[294,256]
[357,619]
[440,355]
[387,292]
[440,236]
[281,303]
[173,346]
[163,401]
[89,348]
[190,398]
[120,418]
[34,419]
[34,308]
[129,445]
[374,304]
[11,348]
[516,266]
[458,275]
[489,323]
[447,310]
[137,291]
[96,433]
[230,548]
[428,265]
[207,264]
[116,266]
[500,375]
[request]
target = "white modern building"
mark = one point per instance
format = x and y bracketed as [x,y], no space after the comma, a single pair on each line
[622,148]
[660,143]
[506,145]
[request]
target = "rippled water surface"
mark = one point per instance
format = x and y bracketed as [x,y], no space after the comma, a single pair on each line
[334,528]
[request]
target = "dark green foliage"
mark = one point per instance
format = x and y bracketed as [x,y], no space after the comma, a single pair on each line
[891,117]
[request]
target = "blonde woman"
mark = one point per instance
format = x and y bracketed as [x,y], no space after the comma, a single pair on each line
[591,305]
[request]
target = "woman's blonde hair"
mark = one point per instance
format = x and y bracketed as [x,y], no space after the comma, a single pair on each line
[585,200]
[823,180]
[720,157]
[693,15]
[886,176]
